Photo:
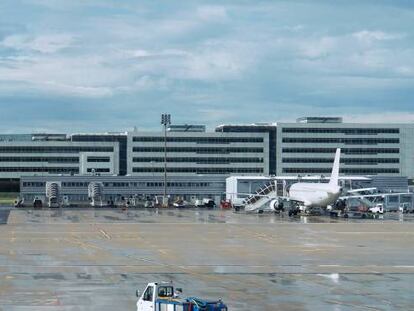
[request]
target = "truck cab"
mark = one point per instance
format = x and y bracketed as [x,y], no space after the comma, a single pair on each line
[153,291]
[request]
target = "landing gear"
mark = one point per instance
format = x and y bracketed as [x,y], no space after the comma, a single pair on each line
[293,212]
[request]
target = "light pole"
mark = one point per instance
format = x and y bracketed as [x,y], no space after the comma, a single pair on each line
[165,120]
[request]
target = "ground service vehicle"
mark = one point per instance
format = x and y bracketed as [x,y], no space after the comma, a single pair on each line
[377,209]
[163,297]
[406,208]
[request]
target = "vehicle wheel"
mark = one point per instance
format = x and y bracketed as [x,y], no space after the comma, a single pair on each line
[364,216]
[290,213]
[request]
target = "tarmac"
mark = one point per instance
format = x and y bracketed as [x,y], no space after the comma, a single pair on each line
[92,259]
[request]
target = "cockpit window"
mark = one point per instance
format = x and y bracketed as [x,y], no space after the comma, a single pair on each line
[165,291]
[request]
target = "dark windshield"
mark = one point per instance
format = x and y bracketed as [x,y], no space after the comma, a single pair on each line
[165,291]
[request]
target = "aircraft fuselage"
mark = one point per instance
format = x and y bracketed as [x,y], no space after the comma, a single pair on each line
[314,195]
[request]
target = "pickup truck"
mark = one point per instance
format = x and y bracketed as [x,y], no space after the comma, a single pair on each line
[163,297]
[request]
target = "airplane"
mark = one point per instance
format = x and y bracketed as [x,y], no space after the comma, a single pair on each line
[308,195]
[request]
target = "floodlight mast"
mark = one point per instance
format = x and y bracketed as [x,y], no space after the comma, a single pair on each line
[165,121]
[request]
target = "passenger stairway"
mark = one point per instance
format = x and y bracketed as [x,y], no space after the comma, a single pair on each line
[260,198]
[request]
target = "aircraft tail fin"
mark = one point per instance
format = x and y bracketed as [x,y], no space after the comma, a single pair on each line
[335,169]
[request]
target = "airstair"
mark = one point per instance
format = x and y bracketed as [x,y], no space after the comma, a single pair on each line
[260,198]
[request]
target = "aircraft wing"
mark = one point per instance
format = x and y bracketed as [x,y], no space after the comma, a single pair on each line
[376,195]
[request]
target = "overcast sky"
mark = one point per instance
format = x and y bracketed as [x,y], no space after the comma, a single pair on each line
[95,65]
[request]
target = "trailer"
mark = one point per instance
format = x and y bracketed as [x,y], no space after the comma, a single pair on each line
[164,297]
[363,213]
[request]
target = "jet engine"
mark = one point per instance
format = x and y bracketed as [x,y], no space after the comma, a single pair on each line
[276,205]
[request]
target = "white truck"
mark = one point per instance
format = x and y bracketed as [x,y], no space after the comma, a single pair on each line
[377,209]
[162,297]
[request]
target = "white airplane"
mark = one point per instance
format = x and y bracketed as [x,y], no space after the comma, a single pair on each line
[318,194]
[307,195]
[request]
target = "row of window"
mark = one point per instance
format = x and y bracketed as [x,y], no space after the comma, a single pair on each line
[98,159]
[201,160]
[200,140]
[354,171]
[179,184]
[358,161]
[124,184]
[54,149]
[98,170]
[51,170]
[347,141]
[343,150]
[41,159]
[348,131]
[205,150]
[198,170]
[34,184]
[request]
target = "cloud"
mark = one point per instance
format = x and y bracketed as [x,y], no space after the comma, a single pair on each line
[48,43]
[228,61]
[318,48]
[212,61]
[216,115]
[212,13]
[383,117]
[367,36]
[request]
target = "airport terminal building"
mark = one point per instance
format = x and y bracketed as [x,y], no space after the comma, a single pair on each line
[205,158]
[308,147]
[192,153]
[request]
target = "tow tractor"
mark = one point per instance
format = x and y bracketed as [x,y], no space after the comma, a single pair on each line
[163,297]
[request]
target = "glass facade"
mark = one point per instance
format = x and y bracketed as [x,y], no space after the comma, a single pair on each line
[200,160]
[218,150]
[347,131]
[40,159]
[343,150]
[200,140]
[349,171]
[346,141]
[53,149]
[355,161]
[40,169]
[199,170]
